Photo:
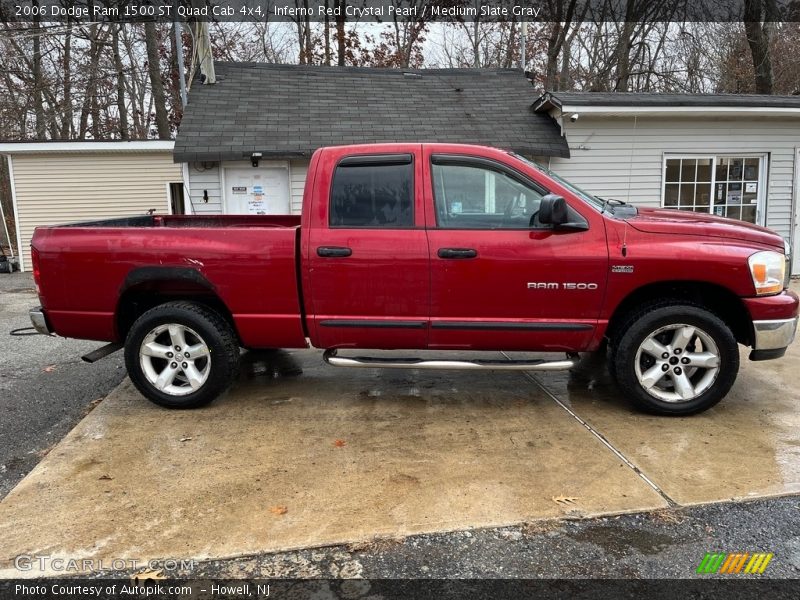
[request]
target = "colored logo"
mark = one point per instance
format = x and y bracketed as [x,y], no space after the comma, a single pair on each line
[737,563]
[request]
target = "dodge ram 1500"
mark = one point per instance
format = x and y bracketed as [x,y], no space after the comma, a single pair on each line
[430,247]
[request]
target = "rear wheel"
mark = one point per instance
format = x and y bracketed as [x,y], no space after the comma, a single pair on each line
[181,355]
[675,359]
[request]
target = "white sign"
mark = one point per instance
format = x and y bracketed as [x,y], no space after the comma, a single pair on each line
[257,205]
[751,187]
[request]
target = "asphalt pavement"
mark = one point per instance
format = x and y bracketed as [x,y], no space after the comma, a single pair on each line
[45,388]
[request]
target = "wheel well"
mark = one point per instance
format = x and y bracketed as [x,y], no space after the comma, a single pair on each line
[139,298]
[719,300]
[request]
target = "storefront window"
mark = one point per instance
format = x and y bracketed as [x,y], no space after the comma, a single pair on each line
[726,186]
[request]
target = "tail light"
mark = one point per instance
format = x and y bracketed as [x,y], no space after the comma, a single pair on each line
[36,271]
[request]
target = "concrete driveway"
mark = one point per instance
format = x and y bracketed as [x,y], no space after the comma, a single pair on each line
[300,455]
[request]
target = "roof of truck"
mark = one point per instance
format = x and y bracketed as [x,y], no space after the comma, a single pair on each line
[291,110]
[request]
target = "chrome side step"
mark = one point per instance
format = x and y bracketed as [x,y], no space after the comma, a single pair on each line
[331,357]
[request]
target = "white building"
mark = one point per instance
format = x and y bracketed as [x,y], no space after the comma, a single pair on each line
[246,141]
[53,183]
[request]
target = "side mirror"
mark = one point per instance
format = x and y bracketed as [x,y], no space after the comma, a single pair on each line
[553,210]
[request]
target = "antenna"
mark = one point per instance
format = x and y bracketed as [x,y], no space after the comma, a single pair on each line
[625,239]
[630,161]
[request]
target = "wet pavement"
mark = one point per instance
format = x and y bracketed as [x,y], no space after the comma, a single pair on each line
[748,446]
[45,389]
[300,455]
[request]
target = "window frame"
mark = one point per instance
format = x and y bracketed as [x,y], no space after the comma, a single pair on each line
[383,159]
[763,173]
[466,160]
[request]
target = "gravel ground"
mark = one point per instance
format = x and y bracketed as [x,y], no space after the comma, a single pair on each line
[45,388]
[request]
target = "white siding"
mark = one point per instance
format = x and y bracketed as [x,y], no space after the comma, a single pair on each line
[204,180]
[208,178]
[611,159]
[52,189]
[297,174]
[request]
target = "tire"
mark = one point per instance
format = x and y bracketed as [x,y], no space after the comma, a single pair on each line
[701,364]
[172,381]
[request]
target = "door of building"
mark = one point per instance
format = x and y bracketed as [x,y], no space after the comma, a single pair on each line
[257,191]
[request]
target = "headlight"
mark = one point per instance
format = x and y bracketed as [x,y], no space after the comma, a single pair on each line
[768,270]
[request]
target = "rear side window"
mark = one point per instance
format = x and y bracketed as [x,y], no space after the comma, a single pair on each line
[373,192]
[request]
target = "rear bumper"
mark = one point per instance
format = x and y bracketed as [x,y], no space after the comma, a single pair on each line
[39,321]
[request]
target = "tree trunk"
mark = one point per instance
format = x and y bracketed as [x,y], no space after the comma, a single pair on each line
[512,41]
[156,85]
[758,38]
[38,81]
[340,41]
[623,58]
[121,106]
[95,31]
[553,48]
[327,34]
[66,111]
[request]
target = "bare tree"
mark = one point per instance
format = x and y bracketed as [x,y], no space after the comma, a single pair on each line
[121,104]
[758,38]
[156,85]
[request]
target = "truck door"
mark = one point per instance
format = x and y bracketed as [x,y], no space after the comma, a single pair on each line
[368,279]
[499,281]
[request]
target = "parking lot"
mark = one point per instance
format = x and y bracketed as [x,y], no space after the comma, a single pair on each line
[301,455]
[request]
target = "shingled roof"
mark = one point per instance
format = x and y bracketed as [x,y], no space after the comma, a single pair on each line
[291,110]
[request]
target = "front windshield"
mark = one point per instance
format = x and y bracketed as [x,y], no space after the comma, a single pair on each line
[591,199]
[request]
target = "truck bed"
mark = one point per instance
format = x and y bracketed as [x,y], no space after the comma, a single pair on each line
[249,262]
[188,221]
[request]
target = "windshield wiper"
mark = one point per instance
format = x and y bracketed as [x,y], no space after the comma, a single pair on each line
[608,201]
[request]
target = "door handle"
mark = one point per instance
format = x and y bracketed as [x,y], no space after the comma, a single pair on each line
[333,251]
[457,253]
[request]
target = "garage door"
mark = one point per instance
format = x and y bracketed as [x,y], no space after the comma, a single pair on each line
[257,191]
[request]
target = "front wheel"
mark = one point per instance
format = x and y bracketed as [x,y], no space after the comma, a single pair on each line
[181,355]
[675,359]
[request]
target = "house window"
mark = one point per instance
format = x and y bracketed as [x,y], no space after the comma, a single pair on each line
[723,185]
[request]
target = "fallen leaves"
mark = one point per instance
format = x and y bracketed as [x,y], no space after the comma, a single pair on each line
[278,510]
[148,574]
[375,545]
[339,443]
[105,478]
[49,369]
[566,500]
[668,516]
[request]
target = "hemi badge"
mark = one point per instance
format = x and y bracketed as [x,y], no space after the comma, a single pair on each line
[622,268]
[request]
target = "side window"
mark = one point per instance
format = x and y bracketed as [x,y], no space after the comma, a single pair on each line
[476,197]
[372,194]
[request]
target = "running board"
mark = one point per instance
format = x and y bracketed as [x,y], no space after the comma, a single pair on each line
[101,352]
[332,359]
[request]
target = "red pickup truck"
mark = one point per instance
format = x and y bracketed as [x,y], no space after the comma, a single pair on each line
[428,247]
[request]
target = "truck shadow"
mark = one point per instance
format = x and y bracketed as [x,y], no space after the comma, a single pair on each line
[272,364]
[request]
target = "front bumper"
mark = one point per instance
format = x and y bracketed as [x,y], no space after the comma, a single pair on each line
[772,338]
[39,321]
